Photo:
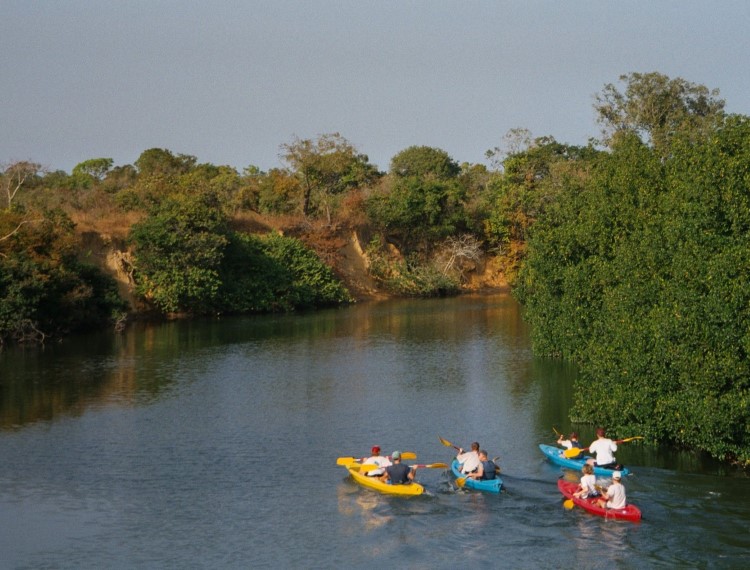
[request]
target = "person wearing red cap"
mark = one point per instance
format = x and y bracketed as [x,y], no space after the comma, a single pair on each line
[376,459]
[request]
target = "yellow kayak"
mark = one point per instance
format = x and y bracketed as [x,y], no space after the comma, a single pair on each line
[375,483]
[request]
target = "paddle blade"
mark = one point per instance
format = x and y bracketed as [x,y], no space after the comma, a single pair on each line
[631,438]
[460,482]
[569,504]
[408,455]
[573,452]
[445,442]
[346,461]
[368,467]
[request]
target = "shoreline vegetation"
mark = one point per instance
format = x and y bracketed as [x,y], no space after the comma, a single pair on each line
[630,255]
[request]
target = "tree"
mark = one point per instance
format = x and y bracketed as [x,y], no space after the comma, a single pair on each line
[44,288]
[15,175]
[162,161]
[96,168]
[423,162]
[531,179]
[516,140]
[641,275]
[655,108]
[179,248]
[418,212]
[326,168]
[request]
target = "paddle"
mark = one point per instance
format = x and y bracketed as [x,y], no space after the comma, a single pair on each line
[576,451]
[346,461]
[447,443]
[556,432]
[369,466]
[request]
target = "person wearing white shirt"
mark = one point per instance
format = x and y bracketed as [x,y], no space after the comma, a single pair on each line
[376,459]
[587,485]
[614,496]
[469,460]
[603,448]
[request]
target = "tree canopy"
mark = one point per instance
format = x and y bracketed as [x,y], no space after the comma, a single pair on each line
[656,108]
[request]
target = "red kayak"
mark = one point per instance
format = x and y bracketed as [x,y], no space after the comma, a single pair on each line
[629,513]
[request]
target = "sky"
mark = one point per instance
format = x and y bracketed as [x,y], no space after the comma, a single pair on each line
[229,82]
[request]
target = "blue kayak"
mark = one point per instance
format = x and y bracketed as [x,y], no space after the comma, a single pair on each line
[486,485]
[555,454]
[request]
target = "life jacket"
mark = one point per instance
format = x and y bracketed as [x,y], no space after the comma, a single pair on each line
[489,469]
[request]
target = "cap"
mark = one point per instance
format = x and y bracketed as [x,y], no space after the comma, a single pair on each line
[376,449]
[396,455]
[616,475]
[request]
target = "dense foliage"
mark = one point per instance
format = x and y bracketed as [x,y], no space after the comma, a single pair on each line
[45,291]
[643,277]
[188,261]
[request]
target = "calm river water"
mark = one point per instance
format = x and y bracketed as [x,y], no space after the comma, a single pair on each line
[214,445]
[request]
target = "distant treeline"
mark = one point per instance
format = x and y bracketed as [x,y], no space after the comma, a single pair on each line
[628,253]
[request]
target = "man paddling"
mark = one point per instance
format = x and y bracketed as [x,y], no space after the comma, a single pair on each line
[398,473]
[603,448]
[470,460]
[487,468]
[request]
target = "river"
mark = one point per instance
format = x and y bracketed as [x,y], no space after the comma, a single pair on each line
[213,444]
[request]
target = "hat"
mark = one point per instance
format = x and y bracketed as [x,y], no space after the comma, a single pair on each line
[616,475]
[396,455]
[376,449]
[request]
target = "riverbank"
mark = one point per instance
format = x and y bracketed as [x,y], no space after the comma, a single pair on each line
[342,249]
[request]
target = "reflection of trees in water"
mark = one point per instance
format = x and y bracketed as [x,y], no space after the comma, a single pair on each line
[43,383]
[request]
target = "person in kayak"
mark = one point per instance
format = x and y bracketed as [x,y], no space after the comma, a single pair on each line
[587,485]
[376,459]
[569,443]
[614,497]
[486,470]
[603,448]
[469,460]
[397,473]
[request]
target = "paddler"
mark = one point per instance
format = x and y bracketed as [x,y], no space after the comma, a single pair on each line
[614,496]
[398,473]
[376,459]
[469,460]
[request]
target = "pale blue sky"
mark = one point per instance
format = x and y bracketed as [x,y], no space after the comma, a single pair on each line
[230,81]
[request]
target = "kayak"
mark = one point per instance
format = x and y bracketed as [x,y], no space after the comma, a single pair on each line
[486,485]
[555,454]
[408,489]
[629,513]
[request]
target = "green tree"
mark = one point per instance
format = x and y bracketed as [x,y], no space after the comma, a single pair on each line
[531,180]
[424,162]
[641,276]
[158,161]
[179,249]
[326,167]
[94,168]
[655,108]
[44,290]
[418,212]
